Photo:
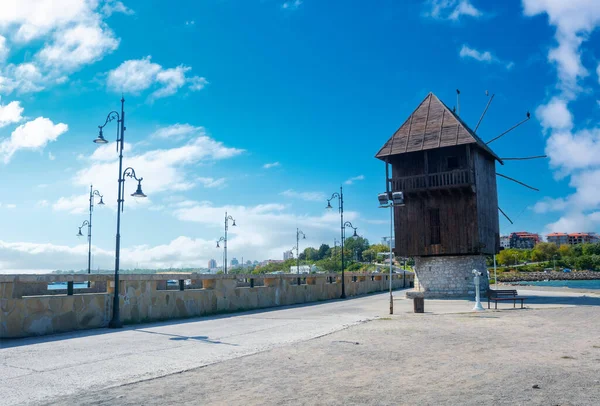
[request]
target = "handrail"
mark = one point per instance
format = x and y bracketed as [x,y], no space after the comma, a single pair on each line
[458,177]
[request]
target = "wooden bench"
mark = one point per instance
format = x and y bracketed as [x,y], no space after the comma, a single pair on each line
[504,295]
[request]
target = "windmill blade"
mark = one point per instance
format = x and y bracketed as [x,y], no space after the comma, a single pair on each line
[510,129]
[525,158]
[484,111]
[504,214]
[519,182]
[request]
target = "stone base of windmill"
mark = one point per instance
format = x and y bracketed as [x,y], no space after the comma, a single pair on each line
[449,277]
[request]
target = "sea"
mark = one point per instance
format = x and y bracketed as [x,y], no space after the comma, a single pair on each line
[574,284]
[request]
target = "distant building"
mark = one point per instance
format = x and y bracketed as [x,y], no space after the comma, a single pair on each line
[301,268]
[505,241]
[572,238]
[288,255]
[523,240]
[558,238]
[582,238]
[212,264]
[235,262]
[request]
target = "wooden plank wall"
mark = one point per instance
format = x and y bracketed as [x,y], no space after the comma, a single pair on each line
[487,202]
[458,225]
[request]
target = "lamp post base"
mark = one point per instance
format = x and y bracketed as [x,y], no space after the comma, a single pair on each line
[478,307]
[115,324]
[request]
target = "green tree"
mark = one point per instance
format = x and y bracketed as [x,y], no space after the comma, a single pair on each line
[324,251]
[544,251]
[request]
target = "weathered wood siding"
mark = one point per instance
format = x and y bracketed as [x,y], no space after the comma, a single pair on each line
[487,202]
[458,225]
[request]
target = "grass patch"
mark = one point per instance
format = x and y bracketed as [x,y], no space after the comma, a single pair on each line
[385,318]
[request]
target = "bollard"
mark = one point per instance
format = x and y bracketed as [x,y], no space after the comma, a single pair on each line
[419,304]
[70,288]
[181,284]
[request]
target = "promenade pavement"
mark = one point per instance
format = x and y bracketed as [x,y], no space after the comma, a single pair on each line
[159,363]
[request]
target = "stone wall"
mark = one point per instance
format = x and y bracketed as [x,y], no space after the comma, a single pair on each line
[449,276]
[145,298]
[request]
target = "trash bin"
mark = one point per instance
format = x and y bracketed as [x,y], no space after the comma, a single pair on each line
[419,304]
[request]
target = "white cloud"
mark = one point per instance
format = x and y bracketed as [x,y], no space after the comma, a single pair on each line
[76,46]
[72,34]
[10,206]
[555,115]
[271,165]
[212,182]
[43,203]
[354,179]
[137,75]
[308,196]
[31,135]
[114,6]
[265,230]
[574,21]
[291,4]
[574,153]
[162,170]
[190,22]
[4,50]
[178,131]
[451,9]
[11,113]
[466,52]
[51,156]
[486,56]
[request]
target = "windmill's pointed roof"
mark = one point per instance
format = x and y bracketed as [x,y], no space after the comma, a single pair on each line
[432,125]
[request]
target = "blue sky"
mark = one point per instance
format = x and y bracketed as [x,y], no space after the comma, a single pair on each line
[265,107]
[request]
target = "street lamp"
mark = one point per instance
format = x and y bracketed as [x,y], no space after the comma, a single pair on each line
[298,233]
[391,200]
[554,258]
[115,322]
[224,239]
[93,193]
[340,197]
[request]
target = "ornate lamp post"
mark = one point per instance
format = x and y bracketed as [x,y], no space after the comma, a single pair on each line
[93,193]
[115,322]
[340,197]
[224,239]
[298,233]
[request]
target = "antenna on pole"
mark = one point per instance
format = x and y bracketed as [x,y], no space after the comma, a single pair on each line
[510,129]
[457,102]
[484,111]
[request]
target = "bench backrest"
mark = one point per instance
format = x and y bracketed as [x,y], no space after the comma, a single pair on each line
[502,293]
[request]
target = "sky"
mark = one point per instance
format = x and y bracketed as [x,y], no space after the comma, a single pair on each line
[264,108]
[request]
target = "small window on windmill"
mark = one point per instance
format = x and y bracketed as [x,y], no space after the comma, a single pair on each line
[452,162]
[434,225]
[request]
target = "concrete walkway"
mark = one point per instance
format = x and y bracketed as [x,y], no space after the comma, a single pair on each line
[66,367]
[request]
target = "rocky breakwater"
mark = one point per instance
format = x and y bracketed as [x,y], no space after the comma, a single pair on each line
[552,276]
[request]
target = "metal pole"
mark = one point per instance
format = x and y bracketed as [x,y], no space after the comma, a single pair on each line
[495,274]
[225,247]
[342,231]
[391,234]
[90,235]
[297,251]
[115,322]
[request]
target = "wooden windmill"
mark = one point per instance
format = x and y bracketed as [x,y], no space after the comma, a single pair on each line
[448,177]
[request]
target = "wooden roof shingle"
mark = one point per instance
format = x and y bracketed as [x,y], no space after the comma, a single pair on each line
[432,125]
